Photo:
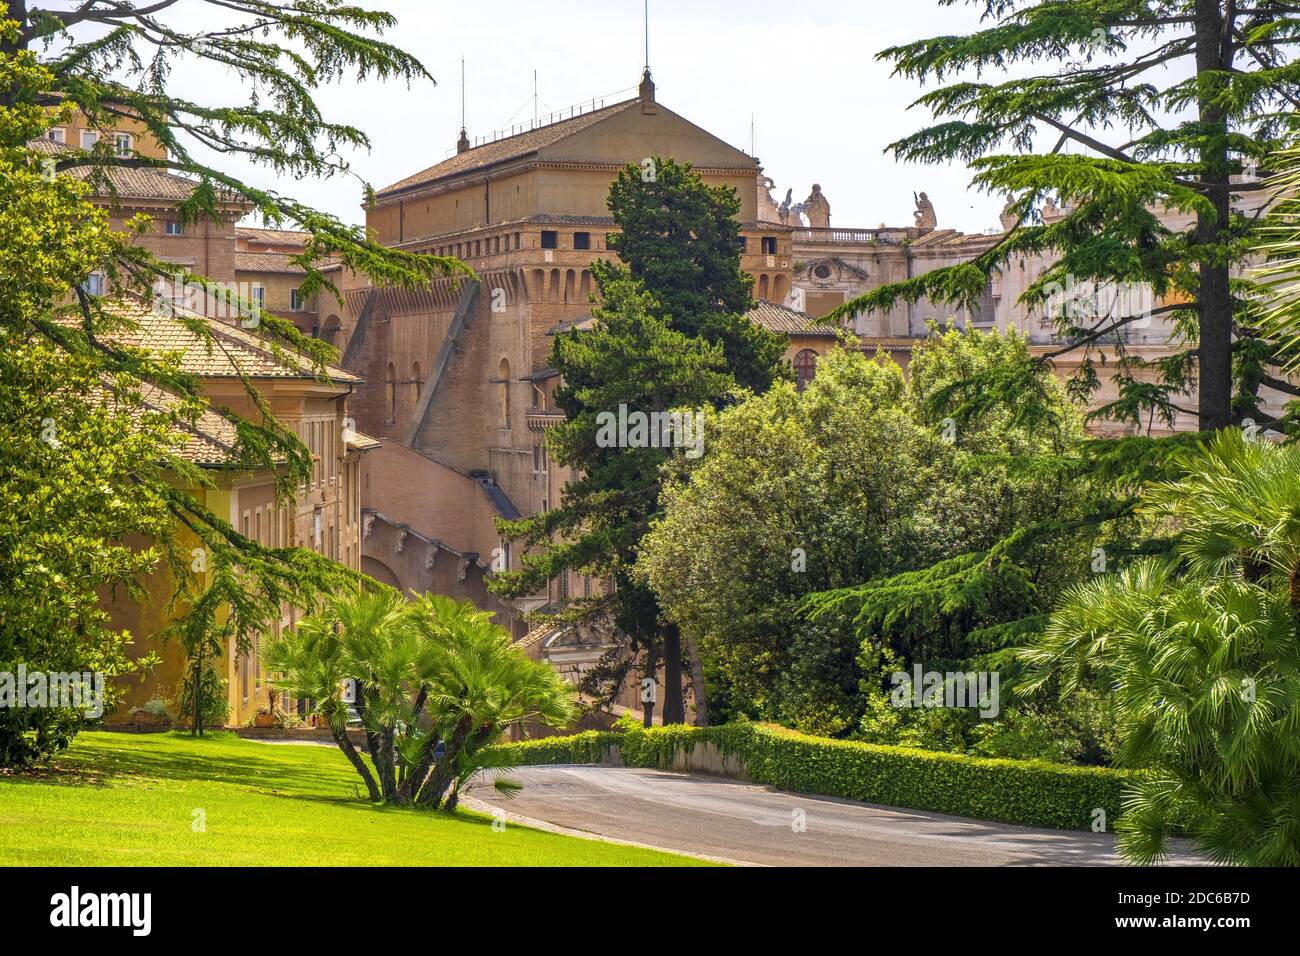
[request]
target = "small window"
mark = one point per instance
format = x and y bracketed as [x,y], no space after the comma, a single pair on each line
[57,135]
[295,300]
[582,240]
[122,143]
[769,245]
[89,138]
[94,284]
[822,271]
[175,229]
[259,296]
[550,239]
[743,244]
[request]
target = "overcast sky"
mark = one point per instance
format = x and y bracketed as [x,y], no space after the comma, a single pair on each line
[823,108]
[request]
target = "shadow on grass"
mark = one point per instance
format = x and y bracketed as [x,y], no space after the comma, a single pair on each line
[210,759]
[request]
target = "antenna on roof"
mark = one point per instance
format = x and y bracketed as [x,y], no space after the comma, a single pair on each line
[536,116]
[647,36]
[462,144]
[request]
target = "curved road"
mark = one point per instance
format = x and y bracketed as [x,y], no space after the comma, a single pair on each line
[745,823]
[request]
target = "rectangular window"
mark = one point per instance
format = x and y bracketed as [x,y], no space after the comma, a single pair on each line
[550,239]
[743,243]
[122,143]
[295,300]
[94,284]
[57,135]
[259,296]
[769,245]
[89,138]
[175,229]
[582,240]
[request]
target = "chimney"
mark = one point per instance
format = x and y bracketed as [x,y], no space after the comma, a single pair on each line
[462,144]
[647,93]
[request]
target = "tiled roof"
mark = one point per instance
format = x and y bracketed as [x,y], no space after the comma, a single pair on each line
[780,318]
[363,441]
[232,350]
[511,147]
[281,262]
[294,238]
[130,183]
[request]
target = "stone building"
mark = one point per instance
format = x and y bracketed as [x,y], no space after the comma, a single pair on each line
[460,393]
[325,515]
[835,265]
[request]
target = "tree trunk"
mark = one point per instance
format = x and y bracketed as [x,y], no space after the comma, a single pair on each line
[345,744]
[674,712]
[417,775]
[697,682]
[1214,296]
[444,771]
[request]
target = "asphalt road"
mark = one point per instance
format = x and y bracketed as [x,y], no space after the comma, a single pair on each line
[740,822]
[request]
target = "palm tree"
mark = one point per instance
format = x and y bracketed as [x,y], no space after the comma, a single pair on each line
[1279,280]
[1202,652]
[313,666]
[479,686]
[437,683]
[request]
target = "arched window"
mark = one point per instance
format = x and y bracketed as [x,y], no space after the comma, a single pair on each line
[503,374]
[805,367]
[392,394]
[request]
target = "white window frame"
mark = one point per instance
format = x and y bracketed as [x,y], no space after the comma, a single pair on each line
[56,134]
[89,138]
[123,144]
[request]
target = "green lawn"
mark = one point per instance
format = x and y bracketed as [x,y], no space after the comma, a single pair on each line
[130,800]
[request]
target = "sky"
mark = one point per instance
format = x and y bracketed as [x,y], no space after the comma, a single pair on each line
[822,108]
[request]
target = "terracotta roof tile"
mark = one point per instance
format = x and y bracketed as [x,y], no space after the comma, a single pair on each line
[130,183]
[281,262]
[232,350]
[787,321]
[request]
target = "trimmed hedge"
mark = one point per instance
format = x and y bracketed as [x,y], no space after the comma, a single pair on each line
[1032,793]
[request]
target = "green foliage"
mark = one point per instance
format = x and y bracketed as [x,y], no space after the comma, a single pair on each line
[669,335]
[803,496]
[1202,658]
[432,674]
[1031,793]
[680,240]
[214,706]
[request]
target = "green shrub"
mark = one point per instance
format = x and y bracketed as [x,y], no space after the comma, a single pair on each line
[1028,792]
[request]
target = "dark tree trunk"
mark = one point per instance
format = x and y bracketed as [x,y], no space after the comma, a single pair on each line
[1214,296]
[345,744]
[674,712]
[445,770]
[409,788]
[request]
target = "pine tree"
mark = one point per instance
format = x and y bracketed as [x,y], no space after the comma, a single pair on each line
[1170,101]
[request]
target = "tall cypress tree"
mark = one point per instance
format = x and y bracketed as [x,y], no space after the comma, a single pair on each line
[671,335]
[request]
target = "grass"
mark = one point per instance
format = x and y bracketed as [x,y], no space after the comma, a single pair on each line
[131,800]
